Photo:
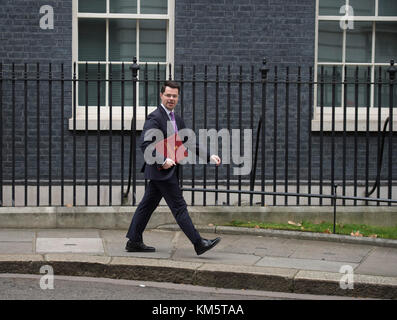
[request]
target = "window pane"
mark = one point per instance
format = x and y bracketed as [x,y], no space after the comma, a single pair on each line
[119,87]
[363,7]
[153,40]
[360,87]
[331,7]
[327,86]
[92,40]
[122,40]
[123,6]
[154,6]
[96,6]
[383,85]
[387,8]
[386,41]
[92,84]
[152,86]
[330,40]
[359,42]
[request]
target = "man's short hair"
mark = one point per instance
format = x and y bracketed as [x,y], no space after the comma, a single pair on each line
[171,84]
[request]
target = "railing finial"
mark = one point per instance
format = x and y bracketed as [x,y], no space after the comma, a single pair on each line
[392,70]
[264,69]
[135,69]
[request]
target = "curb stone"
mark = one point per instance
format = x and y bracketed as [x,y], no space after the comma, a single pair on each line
[212,275]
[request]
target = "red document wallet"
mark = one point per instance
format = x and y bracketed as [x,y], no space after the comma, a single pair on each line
[172,148]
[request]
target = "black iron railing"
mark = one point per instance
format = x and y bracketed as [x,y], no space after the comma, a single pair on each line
[314,138]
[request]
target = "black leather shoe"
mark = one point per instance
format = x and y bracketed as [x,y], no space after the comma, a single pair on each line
[205,245]
[138,247]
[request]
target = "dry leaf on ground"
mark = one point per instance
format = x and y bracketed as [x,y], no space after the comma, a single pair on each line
[294,223]
[356,234]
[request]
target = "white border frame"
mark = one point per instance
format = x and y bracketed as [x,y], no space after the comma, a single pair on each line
[116,110]
[350,112]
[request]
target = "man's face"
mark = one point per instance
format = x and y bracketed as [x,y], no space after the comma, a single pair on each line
[169,98]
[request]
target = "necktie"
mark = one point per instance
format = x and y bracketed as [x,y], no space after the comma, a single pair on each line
[173,121]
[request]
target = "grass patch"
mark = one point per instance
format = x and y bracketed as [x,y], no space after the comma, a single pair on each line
[356,230]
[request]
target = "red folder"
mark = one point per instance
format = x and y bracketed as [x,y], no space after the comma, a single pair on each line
[172,148]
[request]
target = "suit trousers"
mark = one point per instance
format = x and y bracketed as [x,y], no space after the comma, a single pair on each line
[155,191]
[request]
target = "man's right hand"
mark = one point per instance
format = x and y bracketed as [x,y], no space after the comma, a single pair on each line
[168,163]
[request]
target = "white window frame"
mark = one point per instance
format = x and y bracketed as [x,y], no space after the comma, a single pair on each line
[350,111]
[116,110]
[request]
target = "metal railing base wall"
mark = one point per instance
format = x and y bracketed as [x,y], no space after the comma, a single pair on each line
[235,196]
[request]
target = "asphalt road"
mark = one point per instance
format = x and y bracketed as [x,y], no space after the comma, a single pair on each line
[35,287]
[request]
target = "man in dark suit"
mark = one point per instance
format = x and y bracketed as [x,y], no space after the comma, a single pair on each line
[163,179]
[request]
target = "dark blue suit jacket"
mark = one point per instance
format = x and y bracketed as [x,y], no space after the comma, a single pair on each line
[158,120]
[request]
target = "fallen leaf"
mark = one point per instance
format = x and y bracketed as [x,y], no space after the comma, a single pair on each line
[69,205]
[294,223]
[356,234]
[210,224]
[327,231]
[257,227]
[373,236]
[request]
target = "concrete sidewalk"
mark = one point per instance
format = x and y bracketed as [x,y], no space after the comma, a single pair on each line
[244,259]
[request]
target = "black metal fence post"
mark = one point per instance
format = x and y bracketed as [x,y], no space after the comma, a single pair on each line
[98,133]
[309,129]
[13,83]
[110,133]
[334,198]
[38,133]
[74,131]
[122,83]
[1,134]
[298,133]
[132,164]
[86,81]
[264,72]
[392,77]
[286,135]
[25,97]
[275,132]
[62,89]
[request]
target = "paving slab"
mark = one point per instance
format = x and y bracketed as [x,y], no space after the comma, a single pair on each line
[378,263]
[16,235]
[21,257]
[214,256]
[302,264]
[8,247]
[275,247]
[73,245]
[68,233]
[328,251]
[256,245]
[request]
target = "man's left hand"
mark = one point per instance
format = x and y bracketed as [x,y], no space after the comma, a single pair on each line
[214,158]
